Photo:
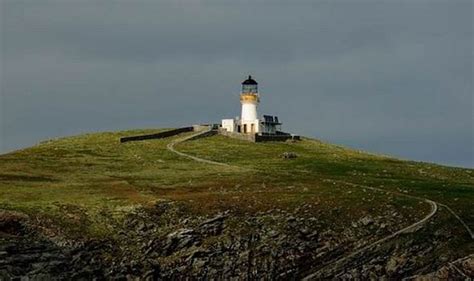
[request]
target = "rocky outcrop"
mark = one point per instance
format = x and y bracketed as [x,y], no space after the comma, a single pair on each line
[165,242]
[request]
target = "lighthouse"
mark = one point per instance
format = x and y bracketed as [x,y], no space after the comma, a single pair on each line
[249,123]
[249,98]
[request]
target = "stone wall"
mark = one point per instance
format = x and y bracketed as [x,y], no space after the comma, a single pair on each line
[258,138]
[157,135]
[201,127]
[262,138]
[203,135]
[246,137]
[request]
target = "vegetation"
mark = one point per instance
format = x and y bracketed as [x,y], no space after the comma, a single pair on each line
[78,183]
[319,165]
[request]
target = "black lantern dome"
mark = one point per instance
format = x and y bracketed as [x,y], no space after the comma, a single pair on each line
[250,86]
[250,81]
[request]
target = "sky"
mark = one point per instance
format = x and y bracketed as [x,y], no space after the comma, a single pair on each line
[390,77]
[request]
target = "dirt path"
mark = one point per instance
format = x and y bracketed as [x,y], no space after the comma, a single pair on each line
[418,198]
[450,264]
[171,145]
[340,262]
[412,227]
[459,219]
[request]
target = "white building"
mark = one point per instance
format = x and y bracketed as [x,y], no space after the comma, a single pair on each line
[249,123]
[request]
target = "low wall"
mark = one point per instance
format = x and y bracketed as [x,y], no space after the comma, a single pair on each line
[201,127]
[246,137]
[203,135]
[258,138]
[262,138]
[157,135]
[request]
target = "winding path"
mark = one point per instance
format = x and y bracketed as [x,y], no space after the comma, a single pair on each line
[459,219]
[412,227]
[450,264]
[340,261]
[171,148]
[418,198]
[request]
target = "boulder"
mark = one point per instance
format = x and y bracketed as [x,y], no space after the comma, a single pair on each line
[289,155]
[180,239]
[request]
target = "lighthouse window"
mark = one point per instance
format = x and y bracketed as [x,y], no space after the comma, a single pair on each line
[249,88]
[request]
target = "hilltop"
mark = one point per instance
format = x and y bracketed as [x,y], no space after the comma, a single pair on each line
[88,205]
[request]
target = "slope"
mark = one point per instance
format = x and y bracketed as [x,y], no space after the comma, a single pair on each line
[87,187]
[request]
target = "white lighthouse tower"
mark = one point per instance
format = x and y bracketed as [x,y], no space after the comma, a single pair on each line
[249,123]
[249,98]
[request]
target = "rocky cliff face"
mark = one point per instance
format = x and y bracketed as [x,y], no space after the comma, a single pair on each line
[164,242]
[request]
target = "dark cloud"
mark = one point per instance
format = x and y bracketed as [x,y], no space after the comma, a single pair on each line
[388,76]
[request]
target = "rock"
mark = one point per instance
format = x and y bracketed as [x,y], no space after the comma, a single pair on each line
[313,235]
[199,264]
[218,218]
[304,231]
[394,264]
[443,258]
[272,234]
[391,266]
[13,223]
[288,155]
[366,220]
[291,219]
[213,226]
[373,276]
[355,274]
[179,239]
[181,232]
[141,226]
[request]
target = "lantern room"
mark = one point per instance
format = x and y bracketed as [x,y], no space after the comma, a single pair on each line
[249,86]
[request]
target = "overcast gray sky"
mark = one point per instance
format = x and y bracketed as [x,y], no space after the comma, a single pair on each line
[393,77]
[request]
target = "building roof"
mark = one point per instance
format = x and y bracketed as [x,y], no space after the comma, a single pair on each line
[250,81]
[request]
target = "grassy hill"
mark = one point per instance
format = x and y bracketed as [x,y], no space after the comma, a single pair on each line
[87,187]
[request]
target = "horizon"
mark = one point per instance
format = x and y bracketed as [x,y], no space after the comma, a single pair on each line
[381,153]
[390,78]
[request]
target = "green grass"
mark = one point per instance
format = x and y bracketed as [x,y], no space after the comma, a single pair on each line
[78,182]
[319,161]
